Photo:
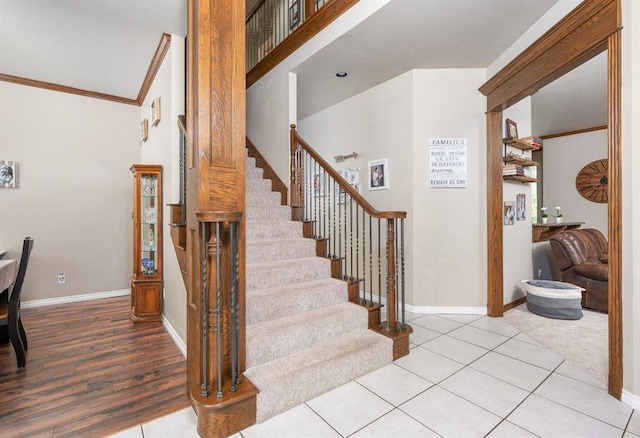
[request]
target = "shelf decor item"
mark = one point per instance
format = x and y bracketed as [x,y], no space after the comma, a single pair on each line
[545,216]
[558,215]
[155,111]
[146,280]
[511,129]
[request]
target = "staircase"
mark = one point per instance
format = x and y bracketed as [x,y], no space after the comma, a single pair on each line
[303,336]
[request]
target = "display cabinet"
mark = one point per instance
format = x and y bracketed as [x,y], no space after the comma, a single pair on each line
[146,280]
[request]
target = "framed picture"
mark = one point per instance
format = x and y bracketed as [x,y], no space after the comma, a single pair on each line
[318,184]
[294,14]
[379,174]
[8,174]
[509,213]
[512,129]
[521,207]
[144,130]
[155,111]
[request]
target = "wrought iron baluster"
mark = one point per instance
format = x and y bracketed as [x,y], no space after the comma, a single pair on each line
[217,312]
[204,385]
[234,316]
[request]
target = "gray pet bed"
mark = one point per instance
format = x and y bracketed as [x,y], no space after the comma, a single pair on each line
[554,299]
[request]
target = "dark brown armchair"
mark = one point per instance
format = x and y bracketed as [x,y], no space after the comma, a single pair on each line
[582,257]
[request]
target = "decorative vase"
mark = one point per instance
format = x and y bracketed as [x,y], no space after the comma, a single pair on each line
[544,220]
[558,219]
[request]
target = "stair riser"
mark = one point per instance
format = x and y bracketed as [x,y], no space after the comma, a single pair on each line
[265,276]
[271,213]
[279,250]
[259,231]
[262,186]
[280,302]
[262,199]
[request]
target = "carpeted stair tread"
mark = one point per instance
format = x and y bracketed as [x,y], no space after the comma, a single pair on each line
[276,302]
[280,272]
[273,230]
[270,340]
[280,249]
[291,380]
[269,213]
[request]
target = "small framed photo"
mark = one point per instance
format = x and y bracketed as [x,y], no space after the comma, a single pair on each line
[155,111]
[144,130]
[8,174]
[379,174]
[521,206]
[294,14]
[511,128]
[318,184]
[509,213]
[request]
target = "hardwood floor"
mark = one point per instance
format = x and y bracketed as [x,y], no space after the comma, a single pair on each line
[89,372]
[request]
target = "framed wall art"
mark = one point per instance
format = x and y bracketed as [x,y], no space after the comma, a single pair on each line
[144,130]
[511,128]
[294,14]
[155,111]
[379,174]
[8,174]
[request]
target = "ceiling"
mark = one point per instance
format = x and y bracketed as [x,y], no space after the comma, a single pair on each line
[106,46]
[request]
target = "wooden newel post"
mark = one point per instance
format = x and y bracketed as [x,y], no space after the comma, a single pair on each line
[391,275]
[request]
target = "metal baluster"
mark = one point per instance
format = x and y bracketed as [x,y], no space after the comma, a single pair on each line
[379,271]
[402,264]
[234,315]
[204,385]
[351,239]
[331,196]
[345,276]
[357,270]
[370,259]
[397,273]
[218,315]
[364,251]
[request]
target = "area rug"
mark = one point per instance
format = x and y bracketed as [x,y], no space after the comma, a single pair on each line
[583,342]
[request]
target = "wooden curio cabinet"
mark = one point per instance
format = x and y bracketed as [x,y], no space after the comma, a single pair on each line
[146,280]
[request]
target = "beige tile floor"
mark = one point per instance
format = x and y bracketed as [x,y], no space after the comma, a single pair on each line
[466,376]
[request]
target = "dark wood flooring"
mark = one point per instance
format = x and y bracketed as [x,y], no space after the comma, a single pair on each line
[90,372]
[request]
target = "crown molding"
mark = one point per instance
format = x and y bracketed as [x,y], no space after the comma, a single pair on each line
[154,66]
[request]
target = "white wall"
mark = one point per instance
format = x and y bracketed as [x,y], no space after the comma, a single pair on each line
[395,120]
[564,157]
[75,189]
[450,223]
[163,147]
[517,249]
[375,124]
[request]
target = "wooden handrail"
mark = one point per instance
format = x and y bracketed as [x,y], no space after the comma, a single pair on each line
[297,140]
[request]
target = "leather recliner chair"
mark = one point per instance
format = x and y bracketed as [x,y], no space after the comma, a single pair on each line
[582,257]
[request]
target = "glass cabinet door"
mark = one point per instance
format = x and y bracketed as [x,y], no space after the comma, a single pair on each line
[149,224]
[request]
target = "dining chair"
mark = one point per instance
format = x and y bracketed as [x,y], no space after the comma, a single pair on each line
[10,313]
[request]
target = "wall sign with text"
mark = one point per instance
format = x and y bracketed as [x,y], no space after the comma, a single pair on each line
[447,162]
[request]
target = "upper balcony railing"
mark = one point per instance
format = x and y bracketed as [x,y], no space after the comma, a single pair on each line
[271,21]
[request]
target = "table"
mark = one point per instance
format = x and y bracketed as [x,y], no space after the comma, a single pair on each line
[542,232]
[8,273]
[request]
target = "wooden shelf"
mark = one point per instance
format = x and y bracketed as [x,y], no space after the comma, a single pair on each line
[519,178]
[519,160]
[514,142]
[542,232]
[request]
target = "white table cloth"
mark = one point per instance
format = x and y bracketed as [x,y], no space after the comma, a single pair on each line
[8,273]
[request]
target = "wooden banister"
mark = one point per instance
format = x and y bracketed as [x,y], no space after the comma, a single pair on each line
[297,140]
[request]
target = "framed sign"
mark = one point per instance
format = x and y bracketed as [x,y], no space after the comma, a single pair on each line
[379,174]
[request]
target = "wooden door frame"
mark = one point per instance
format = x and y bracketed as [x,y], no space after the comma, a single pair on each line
[591,28]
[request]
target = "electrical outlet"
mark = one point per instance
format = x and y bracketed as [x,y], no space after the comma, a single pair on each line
[61,278]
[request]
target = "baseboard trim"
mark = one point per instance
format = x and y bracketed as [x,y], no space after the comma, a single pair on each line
[444,309]
[630,399]
[75,298]
[515,303]
[174,335]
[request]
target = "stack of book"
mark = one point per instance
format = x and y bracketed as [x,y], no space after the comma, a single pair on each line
[535,142]
[512,169]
